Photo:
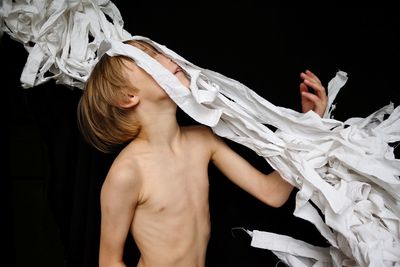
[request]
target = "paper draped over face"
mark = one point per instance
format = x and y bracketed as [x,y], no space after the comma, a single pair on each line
[346,169]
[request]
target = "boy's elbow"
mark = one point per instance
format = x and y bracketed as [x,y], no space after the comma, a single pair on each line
[278,200]
[278,203]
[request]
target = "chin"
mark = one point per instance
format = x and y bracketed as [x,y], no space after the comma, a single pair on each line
[185,82]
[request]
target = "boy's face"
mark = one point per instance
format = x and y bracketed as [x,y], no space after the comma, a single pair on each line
[147,86]
[173,68]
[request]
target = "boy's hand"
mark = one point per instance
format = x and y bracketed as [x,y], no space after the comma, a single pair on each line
[315,100]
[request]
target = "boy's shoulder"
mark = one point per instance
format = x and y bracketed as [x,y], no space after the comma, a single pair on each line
[197,130]
[126,164]
[198,133]
[123,174]
[200,137]
[124,161]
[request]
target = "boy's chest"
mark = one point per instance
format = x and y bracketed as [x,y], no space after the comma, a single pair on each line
[187,165]
[176,183]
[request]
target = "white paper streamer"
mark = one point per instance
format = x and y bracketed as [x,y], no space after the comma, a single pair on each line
[56,35]
[347,169]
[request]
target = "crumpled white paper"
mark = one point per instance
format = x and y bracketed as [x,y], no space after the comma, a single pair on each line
[56,35]
[346,169]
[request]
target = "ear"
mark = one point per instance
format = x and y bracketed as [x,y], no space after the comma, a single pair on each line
[128,100]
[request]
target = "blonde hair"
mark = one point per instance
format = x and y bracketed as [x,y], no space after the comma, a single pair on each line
[102,122]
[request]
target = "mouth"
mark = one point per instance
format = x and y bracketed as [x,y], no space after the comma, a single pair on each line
[178,69]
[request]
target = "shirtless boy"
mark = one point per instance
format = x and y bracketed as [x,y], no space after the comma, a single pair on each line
[157,187]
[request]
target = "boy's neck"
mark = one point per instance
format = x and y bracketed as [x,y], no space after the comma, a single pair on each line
[159,128]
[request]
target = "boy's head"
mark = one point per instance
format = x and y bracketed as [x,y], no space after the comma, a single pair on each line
[113,91]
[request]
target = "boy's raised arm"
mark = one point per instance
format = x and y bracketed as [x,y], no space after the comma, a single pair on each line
[271,188]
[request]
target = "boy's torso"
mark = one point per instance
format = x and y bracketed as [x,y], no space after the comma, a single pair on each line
[171,224]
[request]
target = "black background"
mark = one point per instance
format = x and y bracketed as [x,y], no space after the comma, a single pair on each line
[51,206]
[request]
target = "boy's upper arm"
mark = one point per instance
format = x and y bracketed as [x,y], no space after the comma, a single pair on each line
[119,197]
[271,188]
[234,166]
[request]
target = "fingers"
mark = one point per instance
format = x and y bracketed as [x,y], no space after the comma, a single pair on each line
[310,96]
[309,73]
[311,80]
[303,87]
[317,105]
[316,100]
[318,88]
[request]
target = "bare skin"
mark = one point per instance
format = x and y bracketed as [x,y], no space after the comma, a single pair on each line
[157,187]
